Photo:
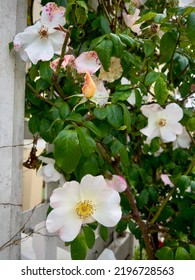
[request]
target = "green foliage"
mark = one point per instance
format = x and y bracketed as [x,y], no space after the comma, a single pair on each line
[93,138]
[67,150]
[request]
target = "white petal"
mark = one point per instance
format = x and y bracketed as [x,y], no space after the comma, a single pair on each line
[108,213]
[40,50]
[65,222]
[131,99]
[183,140]
[57,40]
[167,134]
[93,188]
[71,227]
[101,94]
[174,112]
[55,219]
[68,195]
[125,81]
[87,62]
[151,130]
[46,159]
[147,110]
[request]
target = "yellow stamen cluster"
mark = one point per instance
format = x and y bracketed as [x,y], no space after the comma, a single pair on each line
[162,122]
[84,209]
[43,32]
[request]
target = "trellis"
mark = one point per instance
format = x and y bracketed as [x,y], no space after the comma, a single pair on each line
[13,18]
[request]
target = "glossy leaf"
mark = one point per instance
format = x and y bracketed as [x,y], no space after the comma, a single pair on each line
[78,248]
[89,236]
[67,151]
[161,91]
[165,253]
[182,254]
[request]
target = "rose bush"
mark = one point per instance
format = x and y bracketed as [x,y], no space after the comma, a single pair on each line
[111,85]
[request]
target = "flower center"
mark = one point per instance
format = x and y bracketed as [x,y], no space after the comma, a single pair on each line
[43,32]
[162,122]
[84,209]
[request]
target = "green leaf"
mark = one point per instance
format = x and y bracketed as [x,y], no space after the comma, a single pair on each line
[165,253]
[104,51]
[127,40]
[45,130]
[45,70]
[97,41]
[105,24]
[89,236]
[91,126]
[167,46]
[41,85]
[151,77]
[191,124]
[114,115]
[191,28]
[64,110]
[34,124]
[78,248]
[81,12]
[118,45]
[183,183]
[192,251]
[89,166]
[67,151]
[75,117]
[143,198]
[145,17]
[87,144]
[103,231]
[148,48]
[100,113]
[161,91]
[182,254]
[126,116]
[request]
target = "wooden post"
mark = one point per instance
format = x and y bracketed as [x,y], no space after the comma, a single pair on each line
[13,17]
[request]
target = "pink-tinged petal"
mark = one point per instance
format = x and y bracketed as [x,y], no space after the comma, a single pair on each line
[166,180]
[117,183]
[131,19]
[40,50]
[147,110]
[87,62]
[71,227]
[54,64]
[52,15]
[68,195]
[174,112]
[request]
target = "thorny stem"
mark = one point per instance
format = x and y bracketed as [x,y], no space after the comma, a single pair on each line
[162,206]
[150,250]
[67,36]
[40,96]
